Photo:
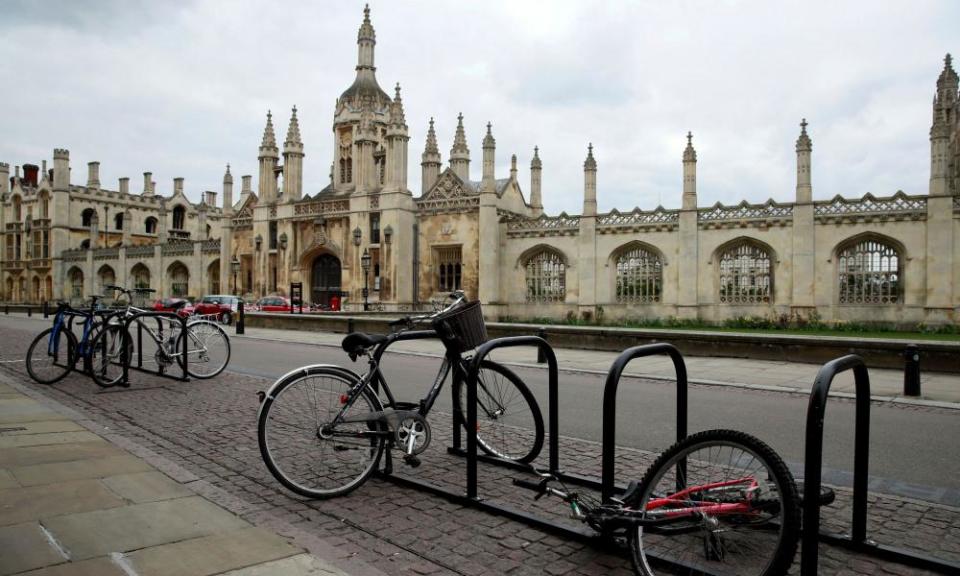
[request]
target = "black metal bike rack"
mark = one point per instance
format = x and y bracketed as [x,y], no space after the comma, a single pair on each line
[813,466]
[160,369]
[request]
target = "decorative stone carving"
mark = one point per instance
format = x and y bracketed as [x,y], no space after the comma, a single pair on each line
[900,206]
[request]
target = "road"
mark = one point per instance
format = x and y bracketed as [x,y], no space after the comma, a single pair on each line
[913,453]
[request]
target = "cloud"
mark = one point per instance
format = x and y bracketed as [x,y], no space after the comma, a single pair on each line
[182,88]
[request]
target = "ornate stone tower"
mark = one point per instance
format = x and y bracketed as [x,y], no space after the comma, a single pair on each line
[944,151]
[293,161]
[362,116]
[803,230]
[430,161]
[689,175]
[489,288]
[945,124]
[268,163]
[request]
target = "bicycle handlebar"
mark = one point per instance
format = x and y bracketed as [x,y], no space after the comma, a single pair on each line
[457,296]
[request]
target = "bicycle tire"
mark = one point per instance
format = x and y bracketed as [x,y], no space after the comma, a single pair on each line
[39,350]
[519,436]
[201,355]
[111,350]
[285,417]
[761,542]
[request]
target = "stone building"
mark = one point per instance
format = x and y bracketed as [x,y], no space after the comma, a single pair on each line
[894,258]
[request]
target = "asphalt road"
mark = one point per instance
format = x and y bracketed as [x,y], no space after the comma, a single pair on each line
[914,451]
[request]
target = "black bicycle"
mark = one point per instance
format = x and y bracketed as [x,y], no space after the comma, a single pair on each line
[57,351]
[322,429]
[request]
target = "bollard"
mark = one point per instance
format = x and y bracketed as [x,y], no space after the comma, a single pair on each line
[46,309]
[240,326]
[350,326]
[911,370]
[6,310]
[29,311]
[541,355]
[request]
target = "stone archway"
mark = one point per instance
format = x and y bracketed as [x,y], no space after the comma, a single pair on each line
[325,279]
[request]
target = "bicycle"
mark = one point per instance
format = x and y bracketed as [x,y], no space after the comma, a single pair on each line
[717,502]
[54,353]
[322,429]
[207,345]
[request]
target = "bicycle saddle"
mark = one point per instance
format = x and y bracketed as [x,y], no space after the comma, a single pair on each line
[357,343]
[179,305]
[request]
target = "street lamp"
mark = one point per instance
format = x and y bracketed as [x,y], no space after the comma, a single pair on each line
[235,267]
[365,264]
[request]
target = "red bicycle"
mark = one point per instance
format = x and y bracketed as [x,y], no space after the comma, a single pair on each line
[718,502]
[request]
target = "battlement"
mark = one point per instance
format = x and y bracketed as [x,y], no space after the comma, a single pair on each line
[61,154]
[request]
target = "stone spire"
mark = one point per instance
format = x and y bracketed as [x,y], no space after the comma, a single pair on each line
[513,167]
[945,110]
[459,153]
[366,40]
[689,200]
[269,139]
[430,161]
[804,147]
[293,130]
[397,116]
[489,158]
[590,184]
[536,167]
[227,191]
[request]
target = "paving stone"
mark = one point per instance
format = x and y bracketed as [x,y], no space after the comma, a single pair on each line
[24,504]
[78,469]
[47,439]
[22,409]
[25,456]
[25,547]
[149,486]
[102,566]
[7,480]
[137,526]
[299,565]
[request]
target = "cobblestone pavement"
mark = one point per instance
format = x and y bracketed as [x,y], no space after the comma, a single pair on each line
[209,428]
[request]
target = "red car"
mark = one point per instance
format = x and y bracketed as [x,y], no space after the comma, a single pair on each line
[273,304]
[224,306]
[181,306]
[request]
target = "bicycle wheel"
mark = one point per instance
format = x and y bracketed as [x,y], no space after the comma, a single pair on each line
[110,349]
[727,503]
[51,358]
[208,349]
[300,452]
[509,422]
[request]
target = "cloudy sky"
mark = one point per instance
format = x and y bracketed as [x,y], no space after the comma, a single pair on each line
[181,88]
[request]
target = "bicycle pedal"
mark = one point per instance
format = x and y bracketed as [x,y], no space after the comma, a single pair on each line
[411,461]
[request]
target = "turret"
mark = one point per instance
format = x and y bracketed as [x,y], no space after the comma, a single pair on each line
[804,147]
[397,139]
[293,160]
[689,175]
[944,121]
[268,162]
[430,161]
[61,169]
[459,153]
[4,180]
[366,41]
[488,183]
[227,192]
[590,184]
[148,183]
[93,175]
[125,185]
[536,167]
[513,167]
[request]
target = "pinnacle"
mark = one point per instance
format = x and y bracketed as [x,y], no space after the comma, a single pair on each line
[590,163]
[535,162]
[269,139]
[227,177]
[804,143]
[366,29]
[293,130]
[431,147]
[488,140]
[689,153]
[460,138]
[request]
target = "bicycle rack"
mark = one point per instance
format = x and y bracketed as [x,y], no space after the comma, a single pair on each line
[160,370]
[813,467]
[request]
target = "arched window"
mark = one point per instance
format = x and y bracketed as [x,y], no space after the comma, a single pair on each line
[639,276]
[17,212]
[346,170]
[141,276]
[869,272]
[151,224]
[106,277]
[85,244]
[86,217]
[76,283]
[44,205]
[546,277]
[179,280]
[118,221]
[746,276]
[179,217]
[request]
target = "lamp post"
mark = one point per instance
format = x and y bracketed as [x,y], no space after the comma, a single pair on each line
[365,264]
[235,267]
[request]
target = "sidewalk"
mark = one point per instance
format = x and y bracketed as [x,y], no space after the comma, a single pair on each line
[938,389]
[73,503]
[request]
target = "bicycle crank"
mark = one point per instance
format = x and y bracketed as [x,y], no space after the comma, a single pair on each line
[412,434]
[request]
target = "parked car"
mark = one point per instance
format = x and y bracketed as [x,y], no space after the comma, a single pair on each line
[273,304]
[223,305]
[181,306]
